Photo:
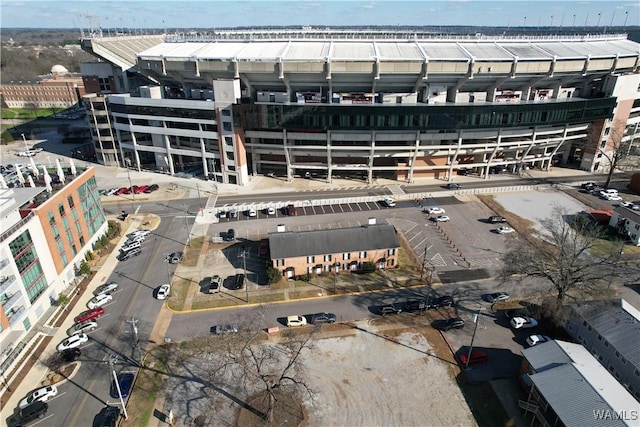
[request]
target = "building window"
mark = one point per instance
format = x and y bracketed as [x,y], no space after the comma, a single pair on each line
[363,254]
[327,258]
[309,270]
[599,337]
[391,252]
[606,343]
[617,354]
[70,200]
[311,259]
[346,255]
[61,209]
[230,155]
[52,219]
[279,262]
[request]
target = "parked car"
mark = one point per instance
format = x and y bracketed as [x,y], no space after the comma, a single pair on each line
[505,230]
[251,212]
[107,288]
[523,322]
[99,300]
[537,339]
[296,320]
[612,198]
[87,315]
[152,188]
[224,329]
[453,186]
[122,190]
[319,318]
[231,235]
[389,202]
[440,302]
[69,355]
[434,211]
[412,306]
[125,381]
[239,281]
[495,219]
[589,185]
[389,309]
[82,328]
[222,214]
[163,291]
[23,416]
[129,246]
[129,254]
[137,233]
[174,257]
[214,284]
[497,296]
[233,213]
[264,247]
[271,210]
[291,210]
[133,239]
[108,417]
[441,218]
[448,324]
[477,357]
[40,395]
[73,342]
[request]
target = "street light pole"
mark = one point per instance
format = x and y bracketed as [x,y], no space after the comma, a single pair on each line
[473,337]
[25,142]
[113,359]
[186,226]
[244,271]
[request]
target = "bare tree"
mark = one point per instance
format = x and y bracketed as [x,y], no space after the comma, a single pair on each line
[617,149]
[565,257]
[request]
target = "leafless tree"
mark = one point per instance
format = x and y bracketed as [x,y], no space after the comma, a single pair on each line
[617,149]
[566,257]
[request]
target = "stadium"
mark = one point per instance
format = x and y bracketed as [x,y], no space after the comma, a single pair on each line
[360,104]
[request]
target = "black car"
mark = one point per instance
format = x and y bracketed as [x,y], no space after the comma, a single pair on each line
[69,355]
[453,186]
[239,281]
[25,415]
[323,318]
[497,219]
[448,324]
[389,309]
[440,302]
[108,417]
[231,235]
[415,305]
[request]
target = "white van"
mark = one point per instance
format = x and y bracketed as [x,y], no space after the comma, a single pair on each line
[130,246]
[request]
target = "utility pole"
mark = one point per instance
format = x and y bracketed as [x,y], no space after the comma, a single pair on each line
[424,261]
[186,225]
[136,338]
[476,320]
[113,359]
[244,271]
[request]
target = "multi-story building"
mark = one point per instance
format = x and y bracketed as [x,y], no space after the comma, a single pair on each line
[334,250]
[370,104]
[610,332]
[61,90]
[45,233]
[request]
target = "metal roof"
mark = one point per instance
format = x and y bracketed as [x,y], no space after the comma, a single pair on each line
[620,328]
[394,50]
[572,398]
[575,383]
[340,240]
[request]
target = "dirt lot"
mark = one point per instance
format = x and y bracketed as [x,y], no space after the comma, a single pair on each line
[369,378]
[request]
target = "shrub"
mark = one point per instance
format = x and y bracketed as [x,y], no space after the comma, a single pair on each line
[273,275]
[84,268]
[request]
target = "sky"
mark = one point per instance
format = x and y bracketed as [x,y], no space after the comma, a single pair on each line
[210,14]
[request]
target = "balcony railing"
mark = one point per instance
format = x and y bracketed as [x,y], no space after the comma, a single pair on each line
[10,300]
[6,282]
[15,314]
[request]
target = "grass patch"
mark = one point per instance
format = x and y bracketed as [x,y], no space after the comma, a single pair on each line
[197,242]
[149,382]
[304,294]
[190,259]
[179,289]
[282,284]
[261,299]
[214,303]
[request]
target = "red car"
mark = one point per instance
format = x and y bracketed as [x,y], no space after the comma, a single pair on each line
[264,247]
[291,210]
[477,357]
[122,190]
[87,315]
[142,189]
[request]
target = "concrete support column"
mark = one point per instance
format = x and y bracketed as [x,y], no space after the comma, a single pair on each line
[329,158]
[372,151]
[287,156]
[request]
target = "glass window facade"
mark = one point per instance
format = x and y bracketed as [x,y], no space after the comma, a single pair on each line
[26,259]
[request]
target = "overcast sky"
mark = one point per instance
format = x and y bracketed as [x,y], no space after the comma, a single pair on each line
[231,13]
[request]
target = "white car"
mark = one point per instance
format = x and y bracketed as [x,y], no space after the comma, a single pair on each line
[99,300]
[497,296]
[612,197]
[163,291]
[271,211]
[252,212]
[523,323]
[82,328]
[107,288]
[442,218]
[143,233]
[73,342]
[296,321]
[505,230]
[28,153]
[389,202]
[434,211]
[40,395]
[537,339]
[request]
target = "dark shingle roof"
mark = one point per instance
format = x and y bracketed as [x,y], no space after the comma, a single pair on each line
[320,242]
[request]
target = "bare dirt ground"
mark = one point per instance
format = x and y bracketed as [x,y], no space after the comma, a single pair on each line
[370,378]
